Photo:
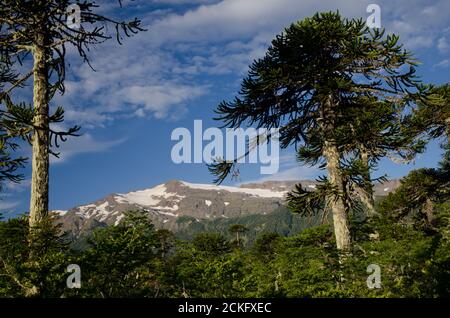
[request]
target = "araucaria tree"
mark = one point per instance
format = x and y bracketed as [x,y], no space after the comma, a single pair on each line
[433,116]
[8,164]
[312,84]
[43,29]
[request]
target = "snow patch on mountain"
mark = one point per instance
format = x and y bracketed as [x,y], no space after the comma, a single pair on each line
[167,203]
[263,193]
[147,197]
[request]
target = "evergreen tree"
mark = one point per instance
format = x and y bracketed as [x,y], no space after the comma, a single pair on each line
[238,230]
[312,75]
[45,29]
[8,164]
[433,114]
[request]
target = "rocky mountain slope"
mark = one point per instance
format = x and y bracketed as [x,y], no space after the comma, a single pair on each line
[174,204]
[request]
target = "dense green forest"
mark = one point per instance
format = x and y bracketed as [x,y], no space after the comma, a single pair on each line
[344,96]
[134,259]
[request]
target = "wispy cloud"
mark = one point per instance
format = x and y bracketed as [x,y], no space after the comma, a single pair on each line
[86,143]
[442,64]
[17,186]
[10,191]
[443,45]
[161,72]
[295,173]
[185,1]
[289,170]
[291,174]
[6,205]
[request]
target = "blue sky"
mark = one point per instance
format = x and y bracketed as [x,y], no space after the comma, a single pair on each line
[193,56]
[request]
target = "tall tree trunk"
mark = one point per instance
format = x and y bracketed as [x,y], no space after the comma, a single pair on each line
[367,194]
[40,139]
[338,205]
[428,209]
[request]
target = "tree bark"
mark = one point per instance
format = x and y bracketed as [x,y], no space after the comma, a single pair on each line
[40,138]
[337,203]
[428,209]
[367,194]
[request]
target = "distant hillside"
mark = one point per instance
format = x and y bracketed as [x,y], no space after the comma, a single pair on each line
[280,221]
[185,208]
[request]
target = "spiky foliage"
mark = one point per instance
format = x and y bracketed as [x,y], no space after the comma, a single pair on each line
[8,165]
[18,121]
[287,87]
[22,20]
[41,29]
[325,53]
[322,82]
[421,191]
[433,114]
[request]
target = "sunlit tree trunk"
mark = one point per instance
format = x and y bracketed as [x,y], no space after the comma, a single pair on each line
[338,206]
[337,203]
[40,139]
[367,194]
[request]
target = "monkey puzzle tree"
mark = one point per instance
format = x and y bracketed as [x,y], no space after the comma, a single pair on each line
[424,189]
[375,130]
[238,230]
[309,84]
[432,116]
[8,165]
[44,29]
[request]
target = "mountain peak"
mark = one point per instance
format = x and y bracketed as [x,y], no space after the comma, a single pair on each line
[168,201]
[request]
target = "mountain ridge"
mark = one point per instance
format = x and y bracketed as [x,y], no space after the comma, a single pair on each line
[169,201]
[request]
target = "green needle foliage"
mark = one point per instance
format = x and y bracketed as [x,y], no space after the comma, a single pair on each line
[126,260]
[39,30]
[9,165]
[432,117]
[337,91]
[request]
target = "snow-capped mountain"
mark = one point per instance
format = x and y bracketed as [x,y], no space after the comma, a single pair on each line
[167,203]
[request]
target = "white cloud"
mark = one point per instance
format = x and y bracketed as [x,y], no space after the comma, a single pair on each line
[88,118]
[290,169]
[130,79]
[17,186]
[418,22]
[81,145]
[10,192]
[442,64]
[230,19]
[443,45]
[294,173]
[8,205]
[185,1]
[157,99]
[158,73]
[420,41]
